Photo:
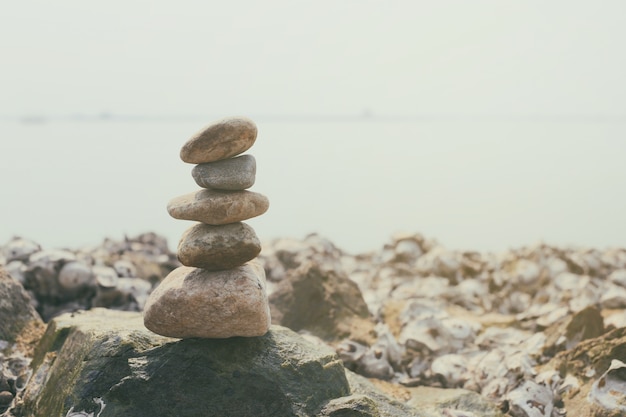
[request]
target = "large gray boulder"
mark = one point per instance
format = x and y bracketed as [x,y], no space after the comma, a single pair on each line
[105,363]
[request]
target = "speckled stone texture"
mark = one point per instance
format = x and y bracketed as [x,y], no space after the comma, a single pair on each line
[193,302]
[222,139]
[236,173]
[216,248]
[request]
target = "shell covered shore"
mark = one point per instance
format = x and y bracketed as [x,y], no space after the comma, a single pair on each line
[537,331]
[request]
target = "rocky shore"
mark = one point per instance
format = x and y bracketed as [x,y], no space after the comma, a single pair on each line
[410,329]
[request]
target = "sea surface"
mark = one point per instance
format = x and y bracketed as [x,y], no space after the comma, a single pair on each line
[472,184]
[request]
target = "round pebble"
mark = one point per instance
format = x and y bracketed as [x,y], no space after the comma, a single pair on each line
[222,139]
[217,248]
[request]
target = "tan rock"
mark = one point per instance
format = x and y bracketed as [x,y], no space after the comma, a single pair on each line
[193,302]
[222,139]
[218,247]
[218,206]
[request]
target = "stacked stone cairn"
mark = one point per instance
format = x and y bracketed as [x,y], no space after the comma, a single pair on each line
[220,291]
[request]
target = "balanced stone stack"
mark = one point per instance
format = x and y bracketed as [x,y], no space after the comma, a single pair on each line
[220,291]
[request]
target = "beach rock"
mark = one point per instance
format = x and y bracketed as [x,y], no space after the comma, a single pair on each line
[228,174]
[223,139]
[102,361]
[324,302]
[589,363]
[19,249]
[217,248]
[217,207]
[569,331]
[193,302]
[16,310]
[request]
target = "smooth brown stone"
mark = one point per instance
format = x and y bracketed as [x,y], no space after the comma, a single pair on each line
[193,302]
[223,139]
[218,206]
[228,174]
[217,248]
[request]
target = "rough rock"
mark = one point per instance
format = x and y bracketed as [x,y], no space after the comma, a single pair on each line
[223,139]
[218,206]
[228,174]
[16,310]
[105,363]
[584,366]
[324,302]
[571,330]
[217,248]
[193,302]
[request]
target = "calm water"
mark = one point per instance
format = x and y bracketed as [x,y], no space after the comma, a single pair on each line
[486,185]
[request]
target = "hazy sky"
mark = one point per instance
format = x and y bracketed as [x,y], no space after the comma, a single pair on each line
[313,57]
[525,139]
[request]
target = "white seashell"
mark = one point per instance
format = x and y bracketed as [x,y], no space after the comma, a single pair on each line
[50,256]
[125,268]
[20,249]
[138,288]
[498,336]
[452,367]
[609,391]
[429,287]
[75,276]
[524,272]
[567,281]
[616,320]
[618,277]
[534,345]
[350,353]
[407,251]
[106,277]
[555,266]
[531,400]
[613,296]
[16,269]
[553,315]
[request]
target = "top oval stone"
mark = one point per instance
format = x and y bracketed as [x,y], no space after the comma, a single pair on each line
[223,139]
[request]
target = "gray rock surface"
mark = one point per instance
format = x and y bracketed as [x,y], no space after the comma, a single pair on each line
[236,173]
[223,139]
[193,302]
[16,311]
[216,248]
[106,363]
[218,206]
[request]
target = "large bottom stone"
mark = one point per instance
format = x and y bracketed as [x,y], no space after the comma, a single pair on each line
[192,302]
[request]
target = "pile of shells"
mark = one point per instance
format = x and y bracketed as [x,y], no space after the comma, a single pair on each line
[497,324]
[539,330]
[115,274]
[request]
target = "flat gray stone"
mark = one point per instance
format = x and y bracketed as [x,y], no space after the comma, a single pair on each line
[228,174]
[223,139]
[218,206]
[217,248]
[193,302]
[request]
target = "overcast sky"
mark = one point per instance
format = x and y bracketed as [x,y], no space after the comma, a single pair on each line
[524,106]
[313,57]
